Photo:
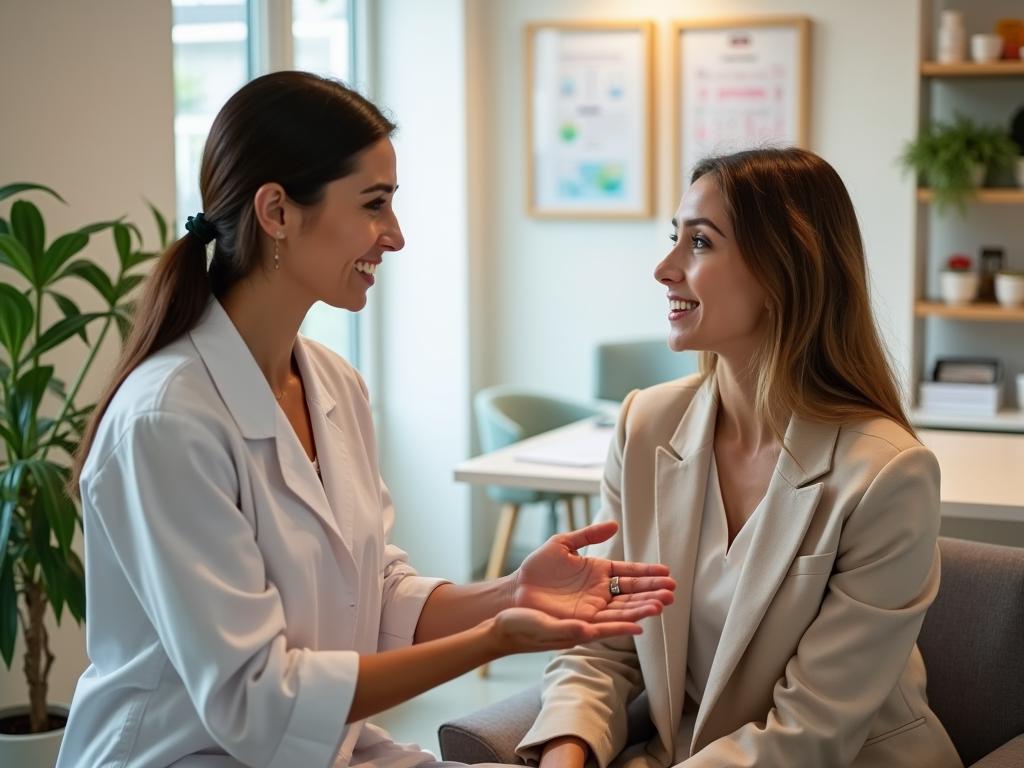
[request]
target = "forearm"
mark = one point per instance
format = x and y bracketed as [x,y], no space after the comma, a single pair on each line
[389,678]
[454,608]
[565,752]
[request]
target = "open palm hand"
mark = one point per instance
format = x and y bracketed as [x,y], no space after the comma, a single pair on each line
[555,579]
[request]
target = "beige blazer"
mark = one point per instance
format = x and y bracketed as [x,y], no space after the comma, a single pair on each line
[817,664]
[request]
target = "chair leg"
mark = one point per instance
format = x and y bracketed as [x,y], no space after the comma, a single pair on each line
[570,514]
[499,551]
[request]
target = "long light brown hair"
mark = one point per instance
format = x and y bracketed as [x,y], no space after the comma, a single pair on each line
[294,128]
[821,356]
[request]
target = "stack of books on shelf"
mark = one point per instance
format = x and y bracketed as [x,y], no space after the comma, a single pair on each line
[963,388]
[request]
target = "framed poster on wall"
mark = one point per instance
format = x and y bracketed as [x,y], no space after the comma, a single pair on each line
[738,83]
[589,126]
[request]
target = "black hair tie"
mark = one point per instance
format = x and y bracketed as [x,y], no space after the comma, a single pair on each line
[199,226]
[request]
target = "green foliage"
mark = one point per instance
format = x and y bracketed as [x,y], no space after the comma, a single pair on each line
[37,518]
[944,154]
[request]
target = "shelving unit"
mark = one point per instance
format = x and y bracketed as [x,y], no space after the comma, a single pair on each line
[989,93]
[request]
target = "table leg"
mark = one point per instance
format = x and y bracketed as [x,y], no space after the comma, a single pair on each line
[499,550]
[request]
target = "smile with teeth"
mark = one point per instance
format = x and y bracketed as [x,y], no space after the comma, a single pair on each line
[366,267]
[679,306]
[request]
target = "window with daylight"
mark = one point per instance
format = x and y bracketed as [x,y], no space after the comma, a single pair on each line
[216,51]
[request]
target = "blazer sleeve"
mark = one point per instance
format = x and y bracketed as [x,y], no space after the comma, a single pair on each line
[585,691]
[405,592]
[852,655]
[165,498]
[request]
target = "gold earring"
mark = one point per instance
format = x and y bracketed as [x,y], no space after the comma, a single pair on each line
[278,236]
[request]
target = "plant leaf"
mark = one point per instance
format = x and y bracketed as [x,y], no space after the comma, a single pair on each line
[127,284]
[8,612]
[92,229]
[27,226]
[10,490]
[161,225]
[92,274]
[61,331]
[123,242]
[5,228]
[69,309]
[139,257]
[16,318]
[50,566]
[74,585]
[57,255]
[13,189]
[23,406]
[14,255]
[50,480]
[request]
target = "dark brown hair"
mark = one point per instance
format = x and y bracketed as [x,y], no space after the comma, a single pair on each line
[293,128]
[821,357]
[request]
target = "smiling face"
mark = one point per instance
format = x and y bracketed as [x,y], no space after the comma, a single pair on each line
[715,303]
[333,250]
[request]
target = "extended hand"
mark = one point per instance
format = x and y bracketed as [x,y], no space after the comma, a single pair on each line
[523,630]
[559,582]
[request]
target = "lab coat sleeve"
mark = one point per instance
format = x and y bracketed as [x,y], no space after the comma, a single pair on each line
[166,498]
[405,592]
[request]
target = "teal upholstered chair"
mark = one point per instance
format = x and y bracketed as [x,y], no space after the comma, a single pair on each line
[506,415]
[622,367]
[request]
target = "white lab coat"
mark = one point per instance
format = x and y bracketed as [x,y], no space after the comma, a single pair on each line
[229,592]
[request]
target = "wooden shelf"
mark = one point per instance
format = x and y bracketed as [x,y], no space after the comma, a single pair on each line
[1005,68]
[988,311]
[1007,420]
[990,196]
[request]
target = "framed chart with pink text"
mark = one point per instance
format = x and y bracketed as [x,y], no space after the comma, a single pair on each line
[738,83]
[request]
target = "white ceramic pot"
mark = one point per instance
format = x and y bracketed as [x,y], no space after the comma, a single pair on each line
[958,287]
[986,48]
[1010,289]
[35,750]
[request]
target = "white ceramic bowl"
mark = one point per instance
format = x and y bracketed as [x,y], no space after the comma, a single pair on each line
[958,287]
[1010,289]
[986,48]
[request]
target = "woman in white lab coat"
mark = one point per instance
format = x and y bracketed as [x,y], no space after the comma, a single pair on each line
[244,604]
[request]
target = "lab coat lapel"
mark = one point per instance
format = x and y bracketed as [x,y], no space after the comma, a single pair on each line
[788,508]
[248,397]
[681,475]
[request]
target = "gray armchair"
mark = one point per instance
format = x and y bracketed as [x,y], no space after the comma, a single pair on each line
[973,646]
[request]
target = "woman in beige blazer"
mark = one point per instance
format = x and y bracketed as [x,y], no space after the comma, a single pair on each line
[816,663]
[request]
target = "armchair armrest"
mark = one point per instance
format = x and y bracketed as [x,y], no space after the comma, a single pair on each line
[1010,755]
[491,734]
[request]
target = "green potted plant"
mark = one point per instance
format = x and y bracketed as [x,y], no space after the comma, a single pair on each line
[954,158]
[41,422]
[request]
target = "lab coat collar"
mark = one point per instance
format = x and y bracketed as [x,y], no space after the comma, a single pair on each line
[234,371]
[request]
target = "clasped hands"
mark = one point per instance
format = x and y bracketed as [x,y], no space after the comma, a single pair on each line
[562,599]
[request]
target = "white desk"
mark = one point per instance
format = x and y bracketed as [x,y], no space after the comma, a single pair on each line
[982,473]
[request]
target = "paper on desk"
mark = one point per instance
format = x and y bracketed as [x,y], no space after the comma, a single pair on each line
[587,451]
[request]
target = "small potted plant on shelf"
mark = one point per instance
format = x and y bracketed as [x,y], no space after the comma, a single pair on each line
[954,158]
[41,422]
[958,282]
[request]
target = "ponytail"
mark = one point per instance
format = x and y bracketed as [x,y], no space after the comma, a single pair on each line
[292,128]
[173,300]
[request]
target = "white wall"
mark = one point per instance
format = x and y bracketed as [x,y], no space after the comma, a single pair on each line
[88,110]
[421,299]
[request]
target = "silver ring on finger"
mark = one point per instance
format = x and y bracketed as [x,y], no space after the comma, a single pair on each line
[613,586]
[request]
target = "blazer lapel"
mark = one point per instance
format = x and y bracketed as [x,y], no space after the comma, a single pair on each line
[788,508]
[681,475]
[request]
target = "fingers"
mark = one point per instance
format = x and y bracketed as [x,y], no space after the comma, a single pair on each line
[631,613]
[622,569]
[592,534]
[592,632]
[629,585]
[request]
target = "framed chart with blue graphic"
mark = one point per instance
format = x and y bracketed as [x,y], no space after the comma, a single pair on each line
[589,119]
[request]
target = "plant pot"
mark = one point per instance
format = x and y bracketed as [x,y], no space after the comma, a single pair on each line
[33,750]
[958,287]
[978,173]
[1010,289]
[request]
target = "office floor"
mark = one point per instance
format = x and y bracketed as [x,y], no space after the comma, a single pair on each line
[417,720]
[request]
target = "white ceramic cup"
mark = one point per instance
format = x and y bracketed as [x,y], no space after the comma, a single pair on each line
[1010,289]
[986,48]
[958,288]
